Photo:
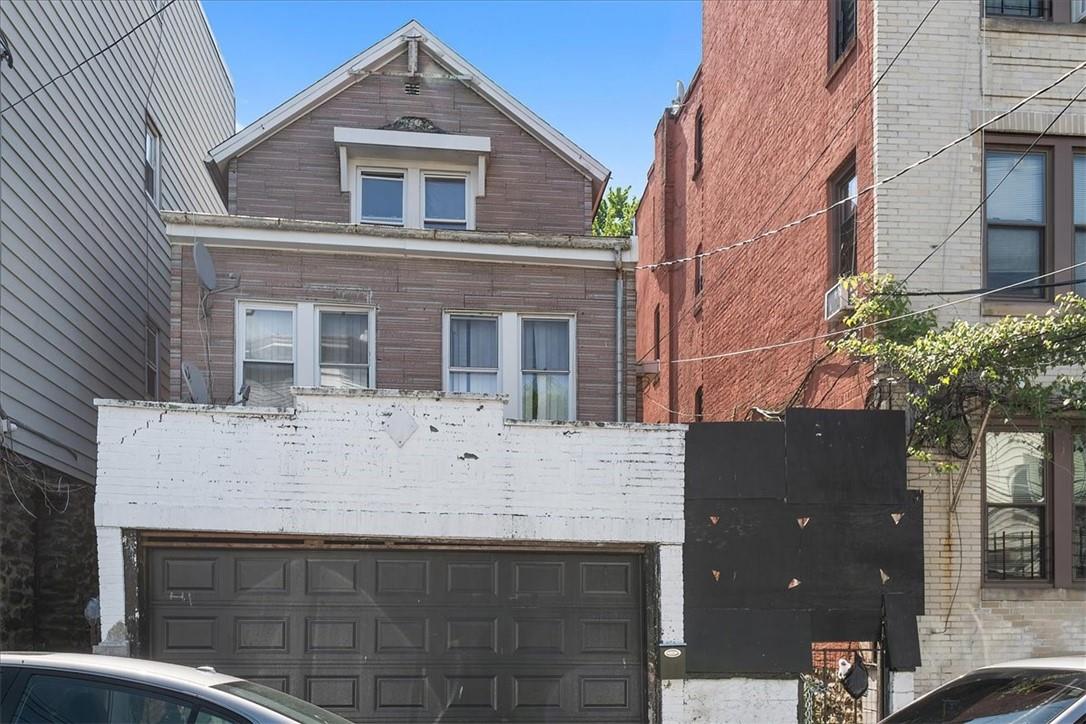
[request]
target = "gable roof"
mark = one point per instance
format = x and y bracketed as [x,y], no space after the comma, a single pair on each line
[376,56]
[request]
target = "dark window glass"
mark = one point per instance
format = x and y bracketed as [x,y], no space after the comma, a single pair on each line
[656,333]
[446,204]
[844,26]
[1015,493]
[473,354]
[382,198]
[1017,8]
[1022,696]
[699,405]
[1016,213]
[699,140]
[699,271]
[844,259]
[344,349]
[58,699]
[1078,488]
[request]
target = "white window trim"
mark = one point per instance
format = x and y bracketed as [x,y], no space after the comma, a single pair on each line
[306,347]
[414,188]
[356,198]
[239,338]
[371,337]
[510,358]
[469,205]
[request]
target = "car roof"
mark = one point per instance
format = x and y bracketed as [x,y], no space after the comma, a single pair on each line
[1076,662]
[151,672]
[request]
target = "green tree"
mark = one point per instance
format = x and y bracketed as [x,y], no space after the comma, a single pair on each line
[616,213]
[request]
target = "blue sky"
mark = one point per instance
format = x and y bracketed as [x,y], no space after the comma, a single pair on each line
[601,72]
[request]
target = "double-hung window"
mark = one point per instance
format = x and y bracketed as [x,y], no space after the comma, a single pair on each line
[842,28]
[843,253]
[382,197]
[1017,218]
[267,359]
[343,357]
[528,357]
[1035,505]
[444,201]
[473,354]
[545,369]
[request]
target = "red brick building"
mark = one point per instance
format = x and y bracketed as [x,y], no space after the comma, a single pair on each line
[764,118]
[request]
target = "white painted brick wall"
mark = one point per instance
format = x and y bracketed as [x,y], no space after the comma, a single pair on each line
[957,72]
[734,701]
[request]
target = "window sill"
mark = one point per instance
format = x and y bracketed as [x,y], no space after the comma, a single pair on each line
[1037,26]
[836,66]
[1013,307]
[1029,591]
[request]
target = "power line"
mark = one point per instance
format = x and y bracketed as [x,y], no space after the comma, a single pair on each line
[829,144]
[876,323]
[868,189]
[89,58]
[957,292]
[987,196]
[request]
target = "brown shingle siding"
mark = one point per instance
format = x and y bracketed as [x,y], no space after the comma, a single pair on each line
[295,172]
[410,295]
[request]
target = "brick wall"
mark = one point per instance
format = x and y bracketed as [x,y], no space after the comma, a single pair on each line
[769,108]
[295,173]
[411,295]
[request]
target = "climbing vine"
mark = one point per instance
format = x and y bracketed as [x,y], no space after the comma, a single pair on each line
[953,373]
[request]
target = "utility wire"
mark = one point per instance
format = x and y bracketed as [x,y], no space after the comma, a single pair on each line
[958,292]
[995,188]
[876,323]
[88,59]
[868,189]
[829,144]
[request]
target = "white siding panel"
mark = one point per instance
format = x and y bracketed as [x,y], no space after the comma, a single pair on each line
[84,263]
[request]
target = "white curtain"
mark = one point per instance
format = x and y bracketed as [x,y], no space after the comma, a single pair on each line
[269,335]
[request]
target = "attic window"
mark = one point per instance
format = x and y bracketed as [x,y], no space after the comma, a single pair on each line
[412,87]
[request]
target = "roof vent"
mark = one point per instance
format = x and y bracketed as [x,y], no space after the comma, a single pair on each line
[412,87]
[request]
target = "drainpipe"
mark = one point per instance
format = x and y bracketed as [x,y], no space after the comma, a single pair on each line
[620,337]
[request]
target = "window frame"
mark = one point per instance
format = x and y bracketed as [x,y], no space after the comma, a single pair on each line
[468,221]
[371,341]
[152,336]
[413,172]
[510,353]
[836,51]
[447,369]
[1047,519]
[1048,241]
[239,339]
[1059,507]
[699,141]
[152,133]
[841,177]
[377,172]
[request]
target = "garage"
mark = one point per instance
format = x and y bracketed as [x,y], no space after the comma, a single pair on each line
[389,635]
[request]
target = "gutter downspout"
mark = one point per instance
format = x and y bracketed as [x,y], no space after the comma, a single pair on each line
[620,338]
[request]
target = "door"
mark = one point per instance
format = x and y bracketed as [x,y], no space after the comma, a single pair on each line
[412,636]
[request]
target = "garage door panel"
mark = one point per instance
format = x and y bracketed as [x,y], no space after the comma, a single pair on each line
[412,636]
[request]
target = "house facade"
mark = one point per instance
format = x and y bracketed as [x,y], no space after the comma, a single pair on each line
[92,146]
[797,108]
[396,475]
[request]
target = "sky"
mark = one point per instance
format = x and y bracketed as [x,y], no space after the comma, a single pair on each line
[600,72]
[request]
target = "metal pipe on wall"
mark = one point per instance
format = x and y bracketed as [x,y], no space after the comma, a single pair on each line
[620,338]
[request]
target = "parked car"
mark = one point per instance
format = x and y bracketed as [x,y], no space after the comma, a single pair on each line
[43,688]
[1033,691]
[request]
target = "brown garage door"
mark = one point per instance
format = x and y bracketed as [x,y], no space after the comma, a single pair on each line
[412,636]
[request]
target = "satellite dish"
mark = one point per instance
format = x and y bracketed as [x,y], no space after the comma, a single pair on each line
[205,267]
[680,91]
[196,384]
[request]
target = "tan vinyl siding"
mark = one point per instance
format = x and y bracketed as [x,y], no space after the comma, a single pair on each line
[295,172]
[84,259]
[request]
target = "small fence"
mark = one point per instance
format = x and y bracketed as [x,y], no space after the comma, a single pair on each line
[825,700]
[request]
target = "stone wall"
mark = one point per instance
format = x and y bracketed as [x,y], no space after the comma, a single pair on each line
[48,558]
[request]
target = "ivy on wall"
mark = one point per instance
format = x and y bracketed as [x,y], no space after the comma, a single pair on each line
[956,373]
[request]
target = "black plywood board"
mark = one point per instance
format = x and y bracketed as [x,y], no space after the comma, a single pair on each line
[845,456]
[902,637]
[739,460]
[846,624]
[744,641]
[837,560]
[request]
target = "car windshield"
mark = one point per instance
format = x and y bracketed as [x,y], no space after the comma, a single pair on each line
[998,696]
[285,704]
